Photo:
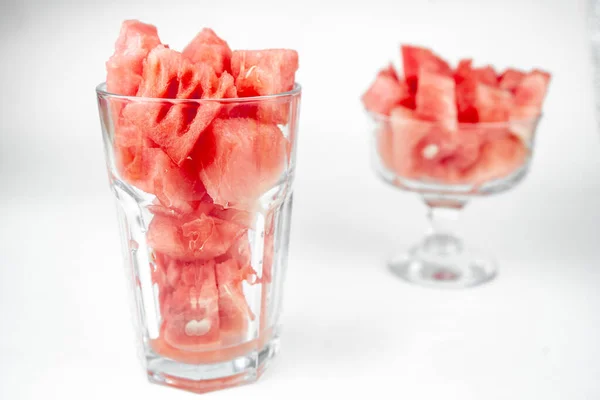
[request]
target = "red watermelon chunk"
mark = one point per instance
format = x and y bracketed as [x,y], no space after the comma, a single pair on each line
[407,131]
[241,252]
[478,102]
[528,99]
[422,150]
[194,237]
[160,77]
[486,75]
[430,155]
[191,316]
[499,158]
[208,48]
[463,70]
[125,66]
[435,99]
[129,144]
[417,59]
[175,187]
[530,94]
[264,72]
[240,159]
[226,87]
[240,217]
[510,79]
[234,312]
[390,71]
[386,92]
[445,156]
[175,127]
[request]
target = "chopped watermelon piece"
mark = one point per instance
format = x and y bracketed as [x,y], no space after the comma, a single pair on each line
[240,159]
[176,187]
[125,66]
[191,316]
[390,71]
[422,150]
[208,48]
[174,127]
[478,102]
[530,94]
[486,75]
[463,70]
[385,93]
[499,158]
[407,131]
[417,59]
[264,72]
[240,217]
[129,144]
[160,77]
[510,79]
[226,88]
[197,236]
[241,252]
[234,312]
[435,99]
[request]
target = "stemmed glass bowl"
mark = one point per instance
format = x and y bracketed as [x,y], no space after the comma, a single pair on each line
[448,165]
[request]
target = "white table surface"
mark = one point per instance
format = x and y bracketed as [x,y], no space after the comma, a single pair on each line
[350,327]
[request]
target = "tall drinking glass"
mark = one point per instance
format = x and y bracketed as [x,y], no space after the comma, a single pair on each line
[205,224]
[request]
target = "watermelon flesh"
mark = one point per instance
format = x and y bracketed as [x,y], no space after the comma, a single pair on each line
[191,310]
[262,73]
[457,126]
[239,159]
[386,93]
[207,163]
[498,159]
[486,75]
[174,127]
[124,68]
[196,236]
[234,312]
[418,59]
[208,48]
[435,99]
[478,102]
[510,79]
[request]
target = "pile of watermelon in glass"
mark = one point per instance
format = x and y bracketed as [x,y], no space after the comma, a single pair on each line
[200,147]
[450,134]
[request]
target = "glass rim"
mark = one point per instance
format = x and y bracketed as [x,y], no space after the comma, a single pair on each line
[102,92]
[529,120]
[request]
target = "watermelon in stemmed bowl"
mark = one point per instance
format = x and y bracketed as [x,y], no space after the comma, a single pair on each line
[200,149]
[451,133]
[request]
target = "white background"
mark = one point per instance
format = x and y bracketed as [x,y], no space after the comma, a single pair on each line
[350,327]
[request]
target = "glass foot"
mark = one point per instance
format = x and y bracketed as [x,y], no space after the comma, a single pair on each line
[442,261]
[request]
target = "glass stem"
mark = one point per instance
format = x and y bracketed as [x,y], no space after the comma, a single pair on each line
[443,217]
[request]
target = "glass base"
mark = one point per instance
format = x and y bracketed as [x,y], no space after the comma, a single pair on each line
[441,261]
[202,378]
